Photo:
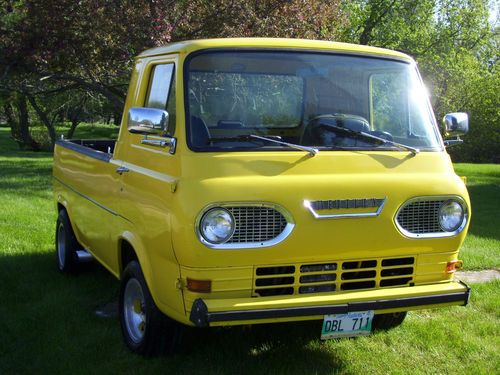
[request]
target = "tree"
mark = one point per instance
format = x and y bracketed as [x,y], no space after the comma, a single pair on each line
[52,50]
[457,52]
[50,47]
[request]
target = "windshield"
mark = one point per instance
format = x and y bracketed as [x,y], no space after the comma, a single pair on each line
[304,98]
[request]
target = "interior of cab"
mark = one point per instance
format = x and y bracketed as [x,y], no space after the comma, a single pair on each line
[303,98]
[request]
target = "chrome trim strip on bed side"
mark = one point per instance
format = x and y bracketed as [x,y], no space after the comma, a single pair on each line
[87,151]
[109,210]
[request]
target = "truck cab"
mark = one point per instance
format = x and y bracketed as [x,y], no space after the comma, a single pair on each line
[267,180]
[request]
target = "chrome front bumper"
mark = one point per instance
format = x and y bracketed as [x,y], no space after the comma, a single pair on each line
[204,312]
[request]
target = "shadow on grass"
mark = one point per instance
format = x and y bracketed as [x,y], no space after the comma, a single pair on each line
[25,174]
[285,348]
[10,152]
[47,317]
[49,324]
[485,200]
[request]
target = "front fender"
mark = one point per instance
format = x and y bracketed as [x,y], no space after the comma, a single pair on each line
[161,274]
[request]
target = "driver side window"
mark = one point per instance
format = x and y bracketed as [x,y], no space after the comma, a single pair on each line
[161,92]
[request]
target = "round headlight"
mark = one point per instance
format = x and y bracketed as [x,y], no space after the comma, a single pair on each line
[451,216]
[217,225]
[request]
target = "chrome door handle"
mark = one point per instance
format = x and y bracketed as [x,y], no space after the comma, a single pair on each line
[121,170]
[165,142]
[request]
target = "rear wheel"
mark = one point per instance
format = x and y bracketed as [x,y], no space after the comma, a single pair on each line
[146,330]
[66,245]
[388,321]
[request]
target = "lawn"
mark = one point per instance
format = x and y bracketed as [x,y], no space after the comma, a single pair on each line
[48,324]
[481,249]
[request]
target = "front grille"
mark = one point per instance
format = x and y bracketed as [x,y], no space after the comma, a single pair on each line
[421,216]
[333,276]
[256,224]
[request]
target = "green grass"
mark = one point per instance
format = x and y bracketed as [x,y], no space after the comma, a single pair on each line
[83,131]
[48,324]
[481,249]
[94,131]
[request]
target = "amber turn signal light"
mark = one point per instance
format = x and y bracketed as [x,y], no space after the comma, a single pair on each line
[199,286]
[453,266]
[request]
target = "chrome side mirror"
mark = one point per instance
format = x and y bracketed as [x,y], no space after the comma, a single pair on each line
[147,121]
[151,121]
[456,123]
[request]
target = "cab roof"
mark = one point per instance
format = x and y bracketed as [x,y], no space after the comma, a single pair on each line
[273,43]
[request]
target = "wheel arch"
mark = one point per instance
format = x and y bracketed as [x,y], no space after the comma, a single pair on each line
[130,248]
[127,254]
[62,205]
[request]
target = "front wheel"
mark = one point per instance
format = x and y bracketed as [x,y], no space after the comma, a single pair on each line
[388,321]
[145,329]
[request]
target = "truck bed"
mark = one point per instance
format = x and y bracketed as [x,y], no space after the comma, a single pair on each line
[86,184]
[101,149]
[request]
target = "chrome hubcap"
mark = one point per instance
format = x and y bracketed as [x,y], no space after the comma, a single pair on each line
[133,310]
[61,245]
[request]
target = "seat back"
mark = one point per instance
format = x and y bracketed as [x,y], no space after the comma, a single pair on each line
[200,136]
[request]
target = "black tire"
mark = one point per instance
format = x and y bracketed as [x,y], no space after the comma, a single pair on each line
[388,321]
[146,330]
[66,245]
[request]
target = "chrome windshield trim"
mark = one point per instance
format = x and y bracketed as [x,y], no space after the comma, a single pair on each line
[309,206]
[246,245]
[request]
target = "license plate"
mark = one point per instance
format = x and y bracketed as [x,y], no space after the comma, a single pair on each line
[357,323]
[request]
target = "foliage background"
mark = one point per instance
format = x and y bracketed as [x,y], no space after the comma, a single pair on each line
[66,61]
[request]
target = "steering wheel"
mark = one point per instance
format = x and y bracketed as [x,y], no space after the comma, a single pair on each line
[322,130]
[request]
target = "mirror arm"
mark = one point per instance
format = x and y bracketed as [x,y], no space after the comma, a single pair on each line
[453,142]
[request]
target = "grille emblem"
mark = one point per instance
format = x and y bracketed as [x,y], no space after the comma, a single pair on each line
[337,204]
[346,203]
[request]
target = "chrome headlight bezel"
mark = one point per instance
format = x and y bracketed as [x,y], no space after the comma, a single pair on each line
[451,215]
[439,232]
[226,226]
[241,225]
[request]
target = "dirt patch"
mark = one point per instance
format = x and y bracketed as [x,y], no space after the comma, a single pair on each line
[477,276]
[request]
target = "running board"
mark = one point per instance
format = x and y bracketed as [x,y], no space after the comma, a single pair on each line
[84,256]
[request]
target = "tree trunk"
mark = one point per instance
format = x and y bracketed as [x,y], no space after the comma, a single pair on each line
[23,125]
[117,117]
[378,11]
[71,131]
[9,115]
[19,129]
[45,119]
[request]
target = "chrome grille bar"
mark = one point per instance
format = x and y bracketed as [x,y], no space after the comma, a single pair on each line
[334,276]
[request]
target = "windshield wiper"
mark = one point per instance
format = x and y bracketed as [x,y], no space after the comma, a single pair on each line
[374,138]
[311,150]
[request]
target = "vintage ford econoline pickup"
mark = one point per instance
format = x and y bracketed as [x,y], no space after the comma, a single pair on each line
[267,180]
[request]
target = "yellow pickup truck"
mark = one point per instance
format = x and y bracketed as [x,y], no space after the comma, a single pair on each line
[267,180]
